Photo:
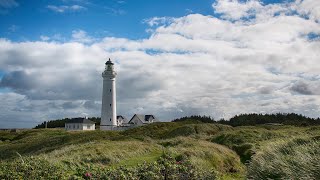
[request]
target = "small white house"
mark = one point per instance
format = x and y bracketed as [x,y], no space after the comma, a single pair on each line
[122,121]
[139,120]
[79,124]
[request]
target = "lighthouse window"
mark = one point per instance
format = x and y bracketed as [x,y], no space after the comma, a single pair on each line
[110,119]
[110,105]
[110,90]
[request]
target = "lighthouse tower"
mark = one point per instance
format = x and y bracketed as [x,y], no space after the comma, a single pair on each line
[109,105]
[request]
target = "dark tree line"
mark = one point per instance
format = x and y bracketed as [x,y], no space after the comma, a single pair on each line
[204,119]
[279,118]
[257,119]
[61,122]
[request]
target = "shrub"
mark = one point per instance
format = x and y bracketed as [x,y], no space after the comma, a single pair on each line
[30,168]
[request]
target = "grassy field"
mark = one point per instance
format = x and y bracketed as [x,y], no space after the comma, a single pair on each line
[180,150]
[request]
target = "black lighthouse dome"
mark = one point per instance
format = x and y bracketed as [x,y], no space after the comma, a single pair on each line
[109,62]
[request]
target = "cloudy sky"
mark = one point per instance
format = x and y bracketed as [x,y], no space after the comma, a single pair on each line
[173,57]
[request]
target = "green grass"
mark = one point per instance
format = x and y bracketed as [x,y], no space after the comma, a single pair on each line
[109,153]
[206,155]
[223,150]
[246,140]
[146,158]
[293,159]
[165,130]
[34,142]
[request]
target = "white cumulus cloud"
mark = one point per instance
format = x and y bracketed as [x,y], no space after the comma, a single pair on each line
[81,36]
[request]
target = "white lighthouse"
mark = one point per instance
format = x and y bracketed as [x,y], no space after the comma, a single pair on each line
[109,104]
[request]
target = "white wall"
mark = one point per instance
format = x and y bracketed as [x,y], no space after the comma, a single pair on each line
[73,126]
[88,127]
[79,126]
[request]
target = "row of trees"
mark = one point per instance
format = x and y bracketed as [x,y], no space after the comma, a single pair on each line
[279,118]
[256,119]
[204,119]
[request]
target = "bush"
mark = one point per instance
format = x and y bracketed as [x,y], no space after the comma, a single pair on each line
[30,168]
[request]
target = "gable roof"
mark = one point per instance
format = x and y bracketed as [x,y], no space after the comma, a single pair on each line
[80,120]
[124,119]
[149,117]
[144,118]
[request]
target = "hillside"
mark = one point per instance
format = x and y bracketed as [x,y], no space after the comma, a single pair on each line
[173,149]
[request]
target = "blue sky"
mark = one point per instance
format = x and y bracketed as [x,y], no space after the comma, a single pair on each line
[173,57]
[28,21]
[119,18]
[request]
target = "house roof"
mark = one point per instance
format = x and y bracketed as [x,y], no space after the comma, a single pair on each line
[80,120]
[145,118]
[149,117]
[124,119]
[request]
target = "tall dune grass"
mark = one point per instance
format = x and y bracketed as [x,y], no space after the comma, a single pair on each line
[295,159]
[270,152]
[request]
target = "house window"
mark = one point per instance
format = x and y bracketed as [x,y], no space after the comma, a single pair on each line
[78,126]
[88,126]
[74,126]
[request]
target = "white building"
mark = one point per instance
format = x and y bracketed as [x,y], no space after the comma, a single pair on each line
[108,109]
[139,120]
[78,124]
[122,121]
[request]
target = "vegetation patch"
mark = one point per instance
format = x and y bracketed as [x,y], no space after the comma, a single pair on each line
[186,149]
[295,159]
[246,140]
[31,168]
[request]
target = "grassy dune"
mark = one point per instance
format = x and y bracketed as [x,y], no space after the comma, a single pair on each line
[294,159]
[191,149]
